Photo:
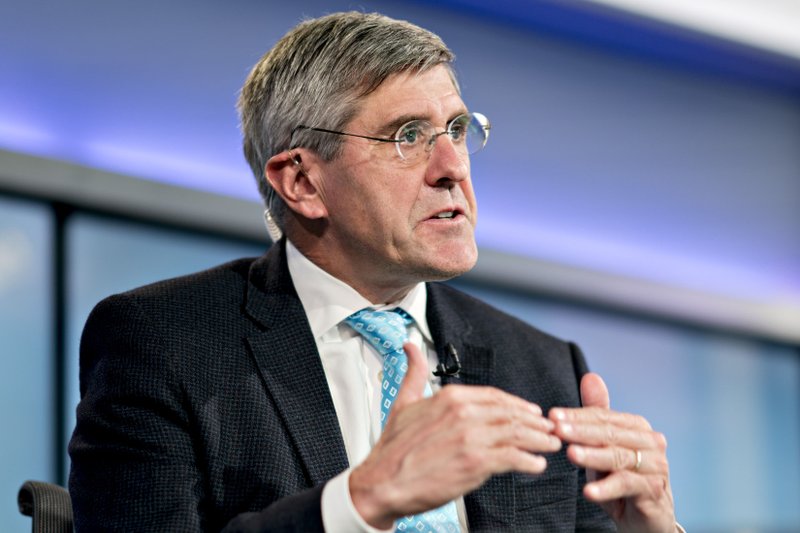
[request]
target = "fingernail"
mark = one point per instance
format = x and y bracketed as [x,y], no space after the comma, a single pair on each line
[549,424]
[555,442]
[565,428]
[578,452]
[558,414]
[592,490]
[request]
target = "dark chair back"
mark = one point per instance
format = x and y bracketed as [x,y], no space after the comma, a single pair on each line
[48,505]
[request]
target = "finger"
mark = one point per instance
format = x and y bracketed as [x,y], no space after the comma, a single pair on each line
[511,459]
[626,484]
[594,392]
[476,435]
[488,410]
[413,386]
[608,435]
[498,416]
[612,459]
[476,394]
[599,415]
[459,408]
[516,435]
[531,440]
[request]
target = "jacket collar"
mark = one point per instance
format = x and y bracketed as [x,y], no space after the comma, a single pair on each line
[290,366]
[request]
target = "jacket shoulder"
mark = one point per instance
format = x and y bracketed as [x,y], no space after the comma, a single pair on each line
[180,308]
[485,319]
[217,279]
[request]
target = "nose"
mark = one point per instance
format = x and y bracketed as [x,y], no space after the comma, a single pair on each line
[447,164]
[432,140]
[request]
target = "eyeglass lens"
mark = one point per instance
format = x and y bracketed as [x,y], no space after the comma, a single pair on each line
[467,132]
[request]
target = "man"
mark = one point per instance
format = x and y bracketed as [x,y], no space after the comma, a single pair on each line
[251,397]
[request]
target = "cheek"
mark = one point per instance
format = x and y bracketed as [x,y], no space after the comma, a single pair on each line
[379,216]
[469,195]
[403,202]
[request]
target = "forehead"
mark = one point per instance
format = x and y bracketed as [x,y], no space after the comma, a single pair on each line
[430,95]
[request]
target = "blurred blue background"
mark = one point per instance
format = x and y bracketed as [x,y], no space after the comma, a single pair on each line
[640,194]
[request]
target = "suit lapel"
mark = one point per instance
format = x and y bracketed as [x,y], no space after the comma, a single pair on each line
[491,506]
[290,366]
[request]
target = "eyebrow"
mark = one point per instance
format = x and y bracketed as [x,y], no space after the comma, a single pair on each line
[391,128]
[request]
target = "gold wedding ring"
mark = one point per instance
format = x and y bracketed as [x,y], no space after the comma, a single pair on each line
[638,460]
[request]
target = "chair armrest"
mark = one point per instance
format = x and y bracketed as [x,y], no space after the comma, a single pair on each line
[48,504]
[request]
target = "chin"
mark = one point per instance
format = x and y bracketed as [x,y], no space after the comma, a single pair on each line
[452,263]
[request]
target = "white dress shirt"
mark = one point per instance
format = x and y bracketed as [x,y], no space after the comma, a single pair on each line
[353,370]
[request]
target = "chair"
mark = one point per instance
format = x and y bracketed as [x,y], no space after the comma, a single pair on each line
[48,504]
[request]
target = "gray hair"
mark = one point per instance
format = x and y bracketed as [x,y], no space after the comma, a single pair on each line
[316,75]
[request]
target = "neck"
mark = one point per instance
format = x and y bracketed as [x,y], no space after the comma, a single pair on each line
[377,292]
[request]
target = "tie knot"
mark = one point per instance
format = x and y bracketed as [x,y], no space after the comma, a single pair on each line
[384,330]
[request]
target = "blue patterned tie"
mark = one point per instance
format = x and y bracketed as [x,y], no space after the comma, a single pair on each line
[386,332]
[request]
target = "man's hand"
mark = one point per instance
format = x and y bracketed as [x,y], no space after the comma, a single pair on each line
[436,449]
[625,460]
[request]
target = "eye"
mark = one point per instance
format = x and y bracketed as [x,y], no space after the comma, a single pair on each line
[458,128]
[410,133]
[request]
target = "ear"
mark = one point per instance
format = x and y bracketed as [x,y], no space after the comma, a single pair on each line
[288,174]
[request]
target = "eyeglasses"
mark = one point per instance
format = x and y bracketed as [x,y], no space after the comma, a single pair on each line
[468,133]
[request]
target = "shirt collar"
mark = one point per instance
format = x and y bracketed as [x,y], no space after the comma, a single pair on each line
[328,300]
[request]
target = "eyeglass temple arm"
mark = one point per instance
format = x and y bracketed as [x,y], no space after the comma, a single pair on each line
[323,130]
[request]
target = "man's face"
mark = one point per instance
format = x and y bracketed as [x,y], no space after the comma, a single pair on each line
[385,230]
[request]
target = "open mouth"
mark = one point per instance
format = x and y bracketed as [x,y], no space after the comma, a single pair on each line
[447,215]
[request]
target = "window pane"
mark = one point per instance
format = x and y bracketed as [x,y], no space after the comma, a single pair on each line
[26,392]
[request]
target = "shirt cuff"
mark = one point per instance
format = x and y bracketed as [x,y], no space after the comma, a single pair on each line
[339,515]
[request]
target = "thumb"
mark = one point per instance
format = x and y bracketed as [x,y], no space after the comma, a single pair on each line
[413,386]
[594,392]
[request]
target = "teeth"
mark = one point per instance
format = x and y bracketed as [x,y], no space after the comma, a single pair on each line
[446,214]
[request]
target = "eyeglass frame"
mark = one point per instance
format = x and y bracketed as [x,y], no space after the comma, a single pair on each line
[431,142]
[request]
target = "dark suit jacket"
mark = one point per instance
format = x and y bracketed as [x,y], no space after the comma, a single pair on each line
[205,405]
